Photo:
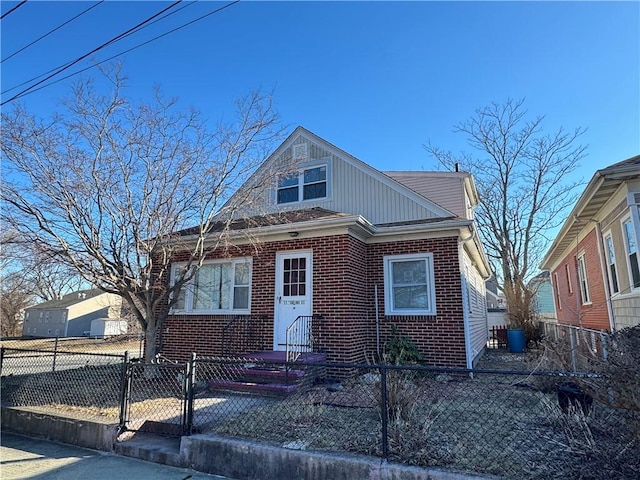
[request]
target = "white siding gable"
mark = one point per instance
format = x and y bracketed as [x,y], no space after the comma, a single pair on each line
[451,190]
[353,187]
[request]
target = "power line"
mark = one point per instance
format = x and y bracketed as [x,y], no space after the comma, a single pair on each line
[70,64]
[123,52]
[13,9]
[64,64]
[51,31]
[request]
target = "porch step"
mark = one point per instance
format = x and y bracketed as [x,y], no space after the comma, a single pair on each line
[278,389]
[261,374]
[268,378]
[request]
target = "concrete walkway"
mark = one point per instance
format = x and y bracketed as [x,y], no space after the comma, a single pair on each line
[34,459]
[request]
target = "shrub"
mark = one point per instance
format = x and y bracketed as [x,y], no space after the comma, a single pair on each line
[400,350]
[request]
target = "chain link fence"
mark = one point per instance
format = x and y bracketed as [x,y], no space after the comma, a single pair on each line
[110,345]
[506,423]
[83,383]
[510,424]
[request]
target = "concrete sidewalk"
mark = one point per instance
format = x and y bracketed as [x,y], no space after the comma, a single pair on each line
[34,459]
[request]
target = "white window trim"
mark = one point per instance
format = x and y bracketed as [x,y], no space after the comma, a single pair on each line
[567,271]
[627,253]
[585,295]
[556,288]
[388,287]
[325,162]
[188,292]
[608,237]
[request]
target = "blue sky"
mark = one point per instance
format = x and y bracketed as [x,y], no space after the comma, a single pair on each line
[377,79]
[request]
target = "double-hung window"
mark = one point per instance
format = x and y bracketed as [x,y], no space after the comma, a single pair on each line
[632,253]
[307,184]
[611,262]
[217,287]
[409,285]
[582,279]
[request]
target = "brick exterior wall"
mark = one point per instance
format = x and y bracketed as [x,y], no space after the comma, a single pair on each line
[569,308]
[345,272]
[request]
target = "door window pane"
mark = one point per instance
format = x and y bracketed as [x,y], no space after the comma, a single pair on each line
[294,277]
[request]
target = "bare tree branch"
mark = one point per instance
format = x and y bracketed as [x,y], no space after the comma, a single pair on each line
[521,176]
[107,182]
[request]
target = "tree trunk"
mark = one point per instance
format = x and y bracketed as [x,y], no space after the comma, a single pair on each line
[151,342]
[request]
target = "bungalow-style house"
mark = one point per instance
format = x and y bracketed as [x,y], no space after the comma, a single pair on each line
[72,315]
[593,261]
[347,253]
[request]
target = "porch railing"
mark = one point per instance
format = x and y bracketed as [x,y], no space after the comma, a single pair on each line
[300,336]
[241,334]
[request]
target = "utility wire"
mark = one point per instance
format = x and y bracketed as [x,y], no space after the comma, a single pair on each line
[13,9]
[64,64]
[124,51]
[70,64]
[51,31]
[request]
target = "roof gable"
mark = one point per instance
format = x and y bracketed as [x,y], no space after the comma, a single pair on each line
[353,186]
[602,186]
[68,300]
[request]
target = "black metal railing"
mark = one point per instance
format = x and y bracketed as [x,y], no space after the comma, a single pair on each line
[241,334]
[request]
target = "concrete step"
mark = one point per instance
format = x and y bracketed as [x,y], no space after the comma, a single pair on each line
[149,447]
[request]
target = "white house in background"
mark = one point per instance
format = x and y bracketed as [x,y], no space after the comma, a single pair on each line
[72,315]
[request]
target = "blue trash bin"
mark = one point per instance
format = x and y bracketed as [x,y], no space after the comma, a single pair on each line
[516,340]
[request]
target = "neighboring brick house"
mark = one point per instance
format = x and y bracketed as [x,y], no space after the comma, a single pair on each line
[340,235]
[71,315]
[593,261]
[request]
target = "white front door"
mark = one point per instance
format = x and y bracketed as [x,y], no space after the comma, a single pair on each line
[293,293]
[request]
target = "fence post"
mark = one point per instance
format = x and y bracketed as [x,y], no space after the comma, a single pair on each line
[125,390]
[603,341]
[190,381]
[572,343]
[384,411]
[55,354]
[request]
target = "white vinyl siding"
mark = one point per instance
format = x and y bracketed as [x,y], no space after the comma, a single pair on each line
[477,307]
[447,191]
[218,287]
[351,189]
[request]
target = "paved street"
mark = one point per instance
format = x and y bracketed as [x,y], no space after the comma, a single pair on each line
[28,458]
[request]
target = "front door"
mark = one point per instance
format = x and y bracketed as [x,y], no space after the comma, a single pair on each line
[293,293]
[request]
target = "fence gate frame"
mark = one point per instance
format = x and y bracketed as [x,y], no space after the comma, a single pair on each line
[155,381]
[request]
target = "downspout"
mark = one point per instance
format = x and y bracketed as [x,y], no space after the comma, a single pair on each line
[465,302]
[465,295]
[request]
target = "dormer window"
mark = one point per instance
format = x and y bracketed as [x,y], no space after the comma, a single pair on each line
[307,184]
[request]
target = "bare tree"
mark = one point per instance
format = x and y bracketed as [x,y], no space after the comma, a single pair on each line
[105,185]
[28,276]
[522,179]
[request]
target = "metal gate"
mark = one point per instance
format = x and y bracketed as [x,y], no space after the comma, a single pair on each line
[155,398]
